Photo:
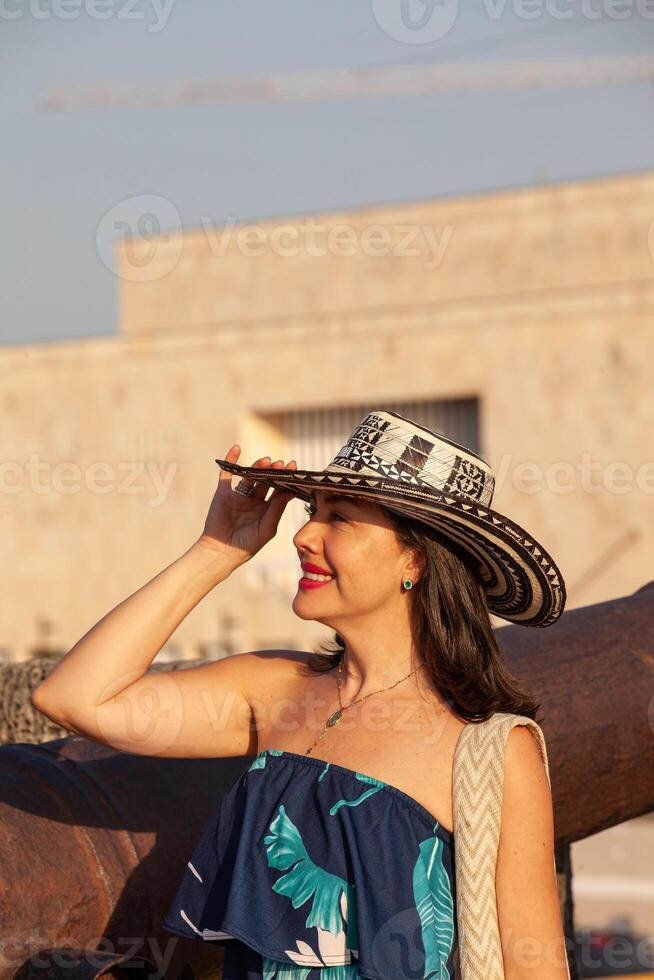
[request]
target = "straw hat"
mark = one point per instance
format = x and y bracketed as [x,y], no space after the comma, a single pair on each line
[415,471]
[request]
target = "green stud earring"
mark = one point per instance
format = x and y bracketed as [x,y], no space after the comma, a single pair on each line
[407,583]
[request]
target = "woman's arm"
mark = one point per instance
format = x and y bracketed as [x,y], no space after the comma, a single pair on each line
[529,913]
[102,688]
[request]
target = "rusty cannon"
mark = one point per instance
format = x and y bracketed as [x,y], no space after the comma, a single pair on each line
[93,841]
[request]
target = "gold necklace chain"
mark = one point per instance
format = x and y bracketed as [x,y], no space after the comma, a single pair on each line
[336,716]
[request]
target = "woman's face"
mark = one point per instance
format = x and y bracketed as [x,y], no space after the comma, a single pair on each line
[353,540]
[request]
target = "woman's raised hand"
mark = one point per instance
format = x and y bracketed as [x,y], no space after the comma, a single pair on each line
[240,524]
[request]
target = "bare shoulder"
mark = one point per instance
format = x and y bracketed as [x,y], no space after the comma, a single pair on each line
[279,656]
[276,660]
[261,669]
[527,796]
[523,761]
[526,844]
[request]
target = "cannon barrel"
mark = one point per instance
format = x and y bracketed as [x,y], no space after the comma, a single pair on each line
[92,844]
[593,671]
[93,841]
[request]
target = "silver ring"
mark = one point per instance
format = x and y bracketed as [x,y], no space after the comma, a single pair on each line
[245,491]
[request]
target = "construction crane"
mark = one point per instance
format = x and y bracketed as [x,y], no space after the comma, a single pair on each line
[355,83]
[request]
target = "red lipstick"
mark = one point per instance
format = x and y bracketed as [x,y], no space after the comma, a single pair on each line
[308,566]
[308,583]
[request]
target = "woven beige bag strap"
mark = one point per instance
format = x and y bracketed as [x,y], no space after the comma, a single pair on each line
[477,784]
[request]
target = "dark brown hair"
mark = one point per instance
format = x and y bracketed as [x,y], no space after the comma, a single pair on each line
[451,629]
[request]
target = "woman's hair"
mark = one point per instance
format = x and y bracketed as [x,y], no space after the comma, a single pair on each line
[451,629]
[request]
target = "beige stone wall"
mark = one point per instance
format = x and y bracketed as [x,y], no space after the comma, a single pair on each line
[542,307]
[443,257]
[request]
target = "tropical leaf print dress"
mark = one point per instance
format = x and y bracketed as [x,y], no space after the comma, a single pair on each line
[313,871]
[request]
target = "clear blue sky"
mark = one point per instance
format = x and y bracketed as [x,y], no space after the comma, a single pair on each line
[62,172]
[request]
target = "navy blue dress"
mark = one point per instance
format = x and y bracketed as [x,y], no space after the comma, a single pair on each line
[313,871]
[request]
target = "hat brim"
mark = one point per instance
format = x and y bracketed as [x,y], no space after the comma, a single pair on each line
[521,580]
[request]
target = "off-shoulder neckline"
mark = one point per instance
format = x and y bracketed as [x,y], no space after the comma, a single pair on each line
[313,760]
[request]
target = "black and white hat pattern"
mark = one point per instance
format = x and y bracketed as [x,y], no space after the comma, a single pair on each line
[421,473]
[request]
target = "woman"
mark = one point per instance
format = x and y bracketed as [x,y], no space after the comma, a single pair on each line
[333,854]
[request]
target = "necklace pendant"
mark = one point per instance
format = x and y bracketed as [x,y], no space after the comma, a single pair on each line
[334,718]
